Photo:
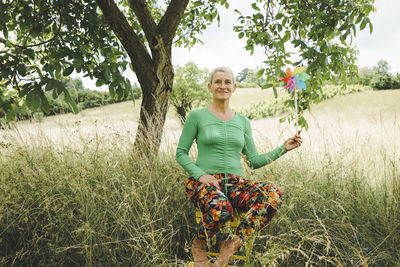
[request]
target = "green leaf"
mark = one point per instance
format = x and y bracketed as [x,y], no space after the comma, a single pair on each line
[344,26]
[237,11]
[267,85]
[78,62]
[21,69]
[68,71]
[363,24]
[128,86]
[30,53]
[359,18]
[51,84]
[33,100]
[119,93]
[112,91]
[58,88]
[278,16]
[241,35]
[70,101]
[106,73]
[45,102]
[99,82]
[5,31]
[260,73]
[25,90]
[255,7]
[57,66]
[286,37]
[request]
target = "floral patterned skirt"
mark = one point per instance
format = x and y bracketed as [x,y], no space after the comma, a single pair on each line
[258,200]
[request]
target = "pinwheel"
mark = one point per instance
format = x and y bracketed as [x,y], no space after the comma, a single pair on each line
[295,80]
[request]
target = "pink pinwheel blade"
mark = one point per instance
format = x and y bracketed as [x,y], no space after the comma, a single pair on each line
[292,84]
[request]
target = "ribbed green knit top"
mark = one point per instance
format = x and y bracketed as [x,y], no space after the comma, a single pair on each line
[219,145]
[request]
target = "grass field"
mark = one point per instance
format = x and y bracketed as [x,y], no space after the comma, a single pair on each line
[73,192]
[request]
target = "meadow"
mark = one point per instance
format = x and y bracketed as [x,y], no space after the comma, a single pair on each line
[73,192]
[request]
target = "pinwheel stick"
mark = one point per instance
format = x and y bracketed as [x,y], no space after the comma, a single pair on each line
[296,80]
[296,114]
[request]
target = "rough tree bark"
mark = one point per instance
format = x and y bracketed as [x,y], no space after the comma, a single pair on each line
[153,68]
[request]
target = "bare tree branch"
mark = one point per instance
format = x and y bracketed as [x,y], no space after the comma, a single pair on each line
[170,21]
[140,58]
[142,13]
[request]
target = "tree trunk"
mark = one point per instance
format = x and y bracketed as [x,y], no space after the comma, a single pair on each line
[153,112]
[154,71]
[182,114]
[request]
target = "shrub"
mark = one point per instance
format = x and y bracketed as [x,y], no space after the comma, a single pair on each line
[396,81]
[247,85]
[381,81]
[365,76]
[136,92]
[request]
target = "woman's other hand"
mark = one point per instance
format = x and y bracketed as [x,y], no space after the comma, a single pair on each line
[209,180]
[293,142]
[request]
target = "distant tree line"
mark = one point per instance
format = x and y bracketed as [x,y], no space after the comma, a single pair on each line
[84,99]
[379,76]
[249,78]
[189,91]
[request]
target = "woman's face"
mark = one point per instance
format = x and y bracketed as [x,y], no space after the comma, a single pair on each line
[222,86]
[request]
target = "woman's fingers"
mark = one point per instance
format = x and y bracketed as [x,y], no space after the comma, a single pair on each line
[294,142]
[209,180]
[215,183]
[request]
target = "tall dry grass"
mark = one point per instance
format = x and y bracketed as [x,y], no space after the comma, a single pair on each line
[86,198]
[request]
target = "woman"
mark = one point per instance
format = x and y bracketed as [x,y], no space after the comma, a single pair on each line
[216,184]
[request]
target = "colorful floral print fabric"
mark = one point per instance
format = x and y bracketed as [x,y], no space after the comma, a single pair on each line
[258,200]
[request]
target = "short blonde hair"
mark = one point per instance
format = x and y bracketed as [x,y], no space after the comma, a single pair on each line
[221,69]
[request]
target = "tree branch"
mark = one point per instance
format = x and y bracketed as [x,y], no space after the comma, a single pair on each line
[142,13]
[140,58]
[170,21]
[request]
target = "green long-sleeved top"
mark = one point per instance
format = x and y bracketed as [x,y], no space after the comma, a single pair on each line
[219,145]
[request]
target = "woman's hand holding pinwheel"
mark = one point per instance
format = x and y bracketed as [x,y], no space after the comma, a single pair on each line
[293,142]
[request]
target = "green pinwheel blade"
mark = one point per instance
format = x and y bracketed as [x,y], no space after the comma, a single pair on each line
[302,75]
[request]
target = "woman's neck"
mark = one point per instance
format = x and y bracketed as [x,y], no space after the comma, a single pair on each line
[221,107]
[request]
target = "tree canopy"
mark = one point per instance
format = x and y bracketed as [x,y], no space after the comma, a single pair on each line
[315,34]
[190,89]
[43,40]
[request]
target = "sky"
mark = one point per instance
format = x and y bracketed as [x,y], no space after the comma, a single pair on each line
[222,47]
